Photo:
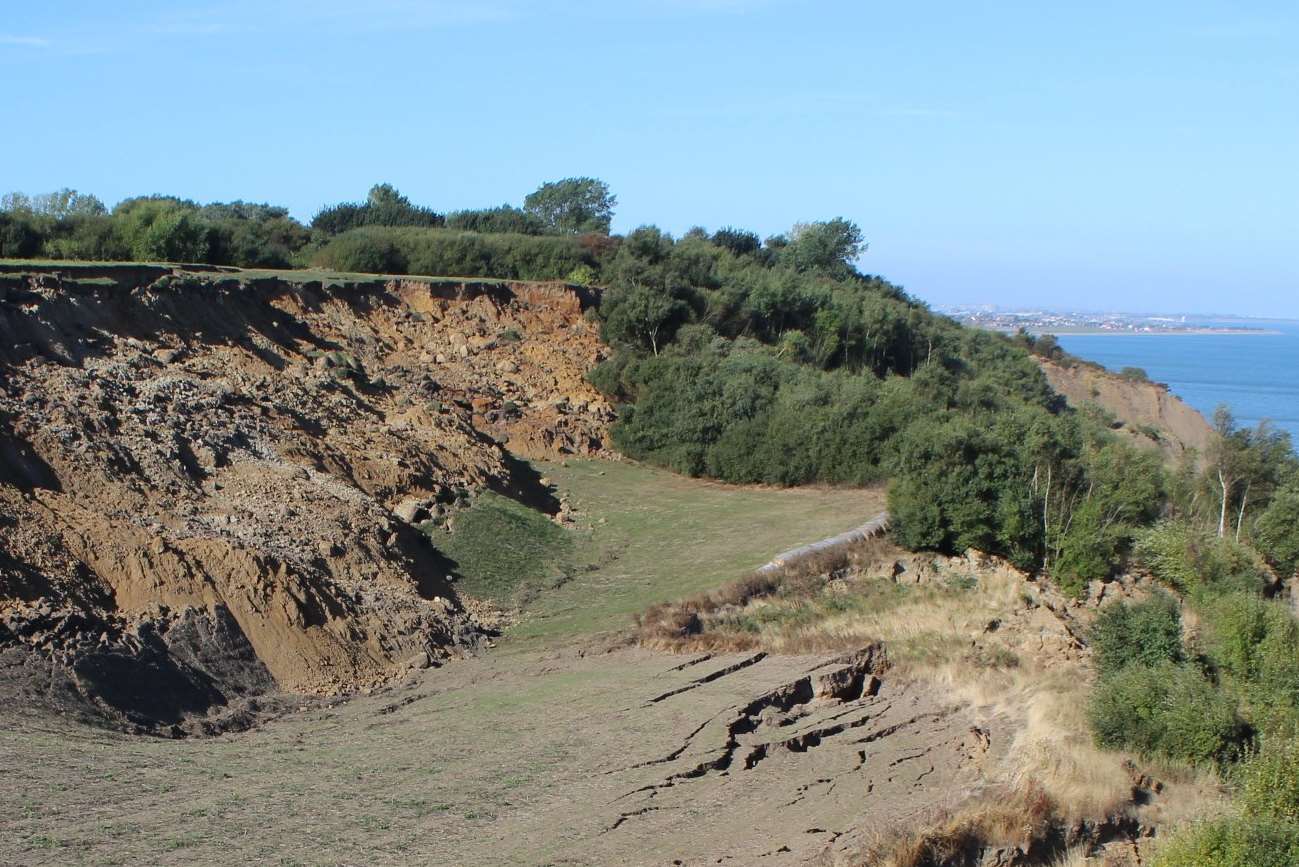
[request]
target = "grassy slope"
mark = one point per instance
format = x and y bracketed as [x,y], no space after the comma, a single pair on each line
[505,551]
[664,536]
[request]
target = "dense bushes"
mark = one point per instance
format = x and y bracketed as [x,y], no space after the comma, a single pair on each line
[1192,559]
[962,484]
[502,220]
[154,228]
[1166,710]
[365,251]
[1233,842]
[384,206]
[1254,642]
[1147,633]
[1269,781]
[455,254]
[1275,532]
[780,363]
[381,234]
[1148,699]
[1266,830]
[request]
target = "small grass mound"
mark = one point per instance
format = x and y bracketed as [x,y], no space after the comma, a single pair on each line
[506,552]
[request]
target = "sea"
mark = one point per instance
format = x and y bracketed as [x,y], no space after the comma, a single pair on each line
[1256,375]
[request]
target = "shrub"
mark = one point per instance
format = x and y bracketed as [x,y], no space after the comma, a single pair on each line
[384,206]
[1146,633]
[1192,559]
[1256,642]
[19,238]
[1277,531]
[1168,710]
[1232,842]
[502,220]
[456,254]
[362,251]
[175,235]
[1134,374]
[1269,780]
[582,275]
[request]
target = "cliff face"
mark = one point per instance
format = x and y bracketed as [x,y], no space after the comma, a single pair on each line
[208,480]
[1151,417]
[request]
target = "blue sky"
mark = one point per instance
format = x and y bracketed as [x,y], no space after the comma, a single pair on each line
[1139,156]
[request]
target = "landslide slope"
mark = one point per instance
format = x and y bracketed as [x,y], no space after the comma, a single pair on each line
[208,478]
[1149,415]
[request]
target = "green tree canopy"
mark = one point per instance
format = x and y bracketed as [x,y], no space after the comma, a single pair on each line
[573,206]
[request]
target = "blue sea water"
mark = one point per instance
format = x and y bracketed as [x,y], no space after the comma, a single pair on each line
[1256,375]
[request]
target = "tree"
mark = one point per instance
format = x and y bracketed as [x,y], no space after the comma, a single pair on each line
[1247,460]
[383,206]
[641,316]
[174,236]
[831,247]
[1227,458]
[573,206]
[1277,532]
[741,242]
[65,203]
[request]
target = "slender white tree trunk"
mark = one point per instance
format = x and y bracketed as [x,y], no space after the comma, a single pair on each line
[1222,514]
[1046,519]
[1240,519]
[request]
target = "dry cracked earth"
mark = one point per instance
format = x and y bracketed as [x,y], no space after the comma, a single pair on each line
[564,757]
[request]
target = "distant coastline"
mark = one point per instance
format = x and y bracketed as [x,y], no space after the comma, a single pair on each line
[1109,332]
[1062,322]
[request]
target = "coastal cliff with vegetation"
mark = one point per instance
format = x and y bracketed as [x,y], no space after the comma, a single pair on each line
[1144,412]
[272,466]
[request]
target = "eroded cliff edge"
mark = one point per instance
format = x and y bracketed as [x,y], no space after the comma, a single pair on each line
[209,479]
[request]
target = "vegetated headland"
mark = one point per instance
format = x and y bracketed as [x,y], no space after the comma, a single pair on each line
[310,552]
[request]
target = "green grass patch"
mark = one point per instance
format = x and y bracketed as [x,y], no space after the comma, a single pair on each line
[505,551]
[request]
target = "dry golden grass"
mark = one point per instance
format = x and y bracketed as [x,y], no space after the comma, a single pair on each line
[685,624]
[1006,817]
[983,637]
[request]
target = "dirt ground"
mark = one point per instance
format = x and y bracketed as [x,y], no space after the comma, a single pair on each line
[541,758]
[558,746]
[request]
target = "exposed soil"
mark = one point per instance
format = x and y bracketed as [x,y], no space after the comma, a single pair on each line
[566,757]
[1148,414]
[208,481]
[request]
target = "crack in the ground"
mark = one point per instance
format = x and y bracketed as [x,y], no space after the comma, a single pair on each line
[629,815]
[896,727]
[675,754]
[691,662]
[803,742]
[711,676]
[855,684]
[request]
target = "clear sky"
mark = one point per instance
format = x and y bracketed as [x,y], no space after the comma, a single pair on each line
[1128,155]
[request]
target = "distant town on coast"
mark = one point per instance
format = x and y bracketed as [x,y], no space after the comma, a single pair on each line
[993,318]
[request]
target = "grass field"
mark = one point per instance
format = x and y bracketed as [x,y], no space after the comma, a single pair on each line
[655,536]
